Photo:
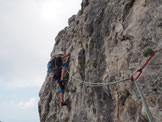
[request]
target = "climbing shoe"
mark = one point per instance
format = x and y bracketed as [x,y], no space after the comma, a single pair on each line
[63,104]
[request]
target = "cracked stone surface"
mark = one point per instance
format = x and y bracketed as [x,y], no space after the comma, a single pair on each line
[107,39]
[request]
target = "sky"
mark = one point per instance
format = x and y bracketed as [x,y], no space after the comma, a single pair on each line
[27,34]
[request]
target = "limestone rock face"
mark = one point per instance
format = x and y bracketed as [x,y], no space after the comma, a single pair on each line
[107,39]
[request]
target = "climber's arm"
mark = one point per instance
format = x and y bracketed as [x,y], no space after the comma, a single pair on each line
[66,55]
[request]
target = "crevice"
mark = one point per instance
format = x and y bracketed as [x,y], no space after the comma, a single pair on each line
[127,8]
[81,61]
[123,97]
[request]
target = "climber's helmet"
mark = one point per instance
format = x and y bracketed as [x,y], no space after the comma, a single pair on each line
[61,53]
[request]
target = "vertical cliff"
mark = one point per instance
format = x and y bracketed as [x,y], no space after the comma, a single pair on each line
[107,39]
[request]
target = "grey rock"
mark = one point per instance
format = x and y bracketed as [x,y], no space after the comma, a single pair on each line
[107,39]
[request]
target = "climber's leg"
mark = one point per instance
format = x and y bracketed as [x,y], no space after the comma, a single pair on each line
[62,96]
[63,71]
[61,84]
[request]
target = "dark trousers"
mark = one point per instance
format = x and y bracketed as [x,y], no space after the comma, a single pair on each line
[57,77]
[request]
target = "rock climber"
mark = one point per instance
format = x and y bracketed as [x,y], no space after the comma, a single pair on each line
[59,71]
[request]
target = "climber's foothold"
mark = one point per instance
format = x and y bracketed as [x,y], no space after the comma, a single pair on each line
[148,52]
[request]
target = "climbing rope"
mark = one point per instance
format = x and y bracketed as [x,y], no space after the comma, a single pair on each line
[147,61]
[148,113]
[101,84]
[114,82]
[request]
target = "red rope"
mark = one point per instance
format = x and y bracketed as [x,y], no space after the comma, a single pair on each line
[138,75]
[147,61]
[140,70]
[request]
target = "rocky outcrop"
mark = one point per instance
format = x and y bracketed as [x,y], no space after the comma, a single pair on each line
[107,39]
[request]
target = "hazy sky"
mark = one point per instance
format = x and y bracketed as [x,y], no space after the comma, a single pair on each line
[27,32]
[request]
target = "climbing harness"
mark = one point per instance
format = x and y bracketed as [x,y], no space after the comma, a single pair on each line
[148,113]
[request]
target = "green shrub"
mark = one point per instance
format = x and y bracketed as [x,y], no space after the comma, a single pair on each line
[94,64]
[55,116]
[81,45]
[148,52]
[91,103]
[86,45]
[91,41]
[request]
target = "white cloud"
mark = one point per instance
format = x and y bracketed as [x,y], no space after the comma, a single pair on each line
[25,84]
[31,103]
[27,37]
[1,80]
[19,111]
[27,32]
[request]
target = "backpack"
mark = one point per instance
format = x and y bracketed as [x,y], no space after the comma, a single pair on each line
[58,62]
[51,65]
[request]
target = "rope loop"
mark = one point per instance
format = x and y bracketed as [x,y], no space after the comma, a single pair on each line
[139,71]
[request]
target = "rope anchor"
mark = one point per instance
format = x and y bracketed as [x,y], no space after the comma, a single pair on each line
[148,113]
